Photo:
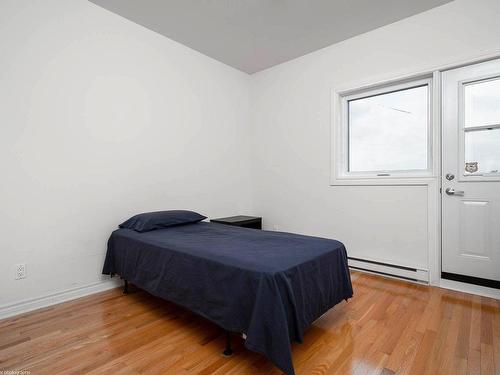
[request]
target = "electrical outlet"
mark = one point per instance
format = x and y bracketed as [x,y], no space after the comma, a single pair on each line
[20,272]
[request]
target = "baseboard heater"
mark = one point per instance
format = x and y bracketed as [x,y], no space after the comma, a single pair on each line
[387,269]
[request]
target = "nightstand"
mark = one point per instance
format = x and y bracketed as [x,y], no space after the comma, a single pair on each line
[240,221]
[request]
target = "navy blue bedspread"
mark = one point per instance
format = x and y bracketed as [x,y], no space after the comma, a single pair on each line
[269,285]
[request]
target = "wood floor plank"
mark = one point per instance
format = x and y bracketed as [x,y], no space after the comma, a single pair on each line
[389,327]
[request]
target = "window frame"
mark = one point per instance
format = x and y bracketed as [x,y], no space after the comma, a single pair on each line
[340,174]
[480,176]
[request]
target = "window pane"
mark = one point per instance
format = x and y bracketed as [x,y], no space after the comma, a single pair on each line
[388,132]
[482,147]
[482,103]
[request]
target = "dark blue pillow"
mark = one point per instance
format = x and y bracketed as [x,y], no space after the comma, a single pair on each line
[161,219]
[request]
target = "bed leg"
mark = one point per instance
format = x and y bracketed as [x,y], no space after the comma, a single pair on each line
[228,352]
[125,287]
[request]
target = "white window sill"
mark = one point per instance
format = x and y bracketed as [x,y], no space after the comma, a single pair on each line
[382,181]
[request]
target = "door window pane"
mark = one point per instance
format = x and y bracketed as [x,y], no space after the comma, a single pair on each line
[482,103]
[388,132]
[482,147]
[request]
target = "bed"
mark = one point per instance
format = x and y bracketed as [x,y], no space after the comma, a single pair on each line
[269,286]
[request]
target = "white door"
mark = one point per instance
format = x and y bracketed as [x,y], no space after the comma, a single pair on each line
[471,174]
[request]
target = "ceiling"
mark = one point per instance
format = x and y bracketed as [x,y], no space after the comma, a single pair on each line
[252,35]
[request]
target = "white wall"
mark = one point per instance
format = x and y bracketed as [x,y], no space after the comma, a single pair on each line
[291,105]
[100,119]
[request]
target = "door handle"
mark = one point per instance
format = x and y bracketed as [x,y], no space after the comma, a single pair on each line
[451,191]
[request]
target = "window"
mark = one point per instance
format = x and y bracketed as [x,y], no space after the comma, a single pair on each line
[384,133]
[481,127]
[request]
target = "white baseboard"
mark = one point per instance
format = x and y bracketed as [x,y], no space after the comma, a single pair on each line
[31,304]
[28,305]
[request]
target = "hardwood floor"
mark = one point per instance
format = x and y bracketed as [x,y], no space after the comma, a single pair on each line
[389,327]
